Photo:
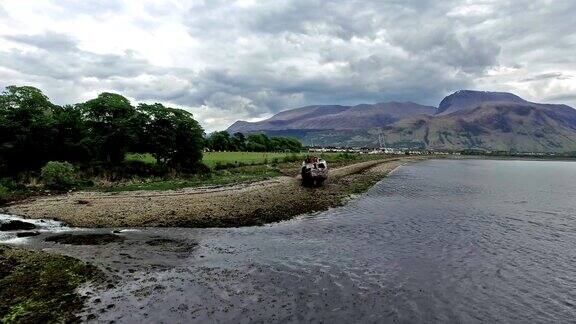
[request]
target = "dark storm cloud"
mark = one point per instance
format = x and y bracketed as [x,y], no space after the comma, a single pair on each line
[402,48]
[250,59]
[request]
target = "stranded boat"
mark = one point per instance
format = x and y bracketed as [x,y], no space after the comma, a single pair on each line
[314,171]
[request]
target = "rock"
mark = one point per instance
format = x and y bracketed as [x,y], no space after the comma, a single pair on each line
[167,244]
[27,234]
[16,225]
[85,239]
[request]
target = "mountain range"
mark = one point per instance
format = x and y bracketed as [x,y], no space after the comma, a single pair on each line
[465,119]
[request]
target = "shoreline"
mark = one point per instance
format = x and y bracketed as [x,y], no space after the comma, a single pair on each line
[500,158]
[243,204]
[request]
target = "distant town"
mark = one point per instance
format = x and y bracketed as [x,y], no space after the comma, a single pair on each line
[417,151]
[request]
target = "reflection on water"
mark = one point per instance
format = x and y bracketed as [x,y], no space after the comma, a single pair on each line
[438,241]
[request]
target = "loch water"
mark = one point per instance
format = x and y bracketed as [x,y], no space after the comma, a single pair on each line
[437,241]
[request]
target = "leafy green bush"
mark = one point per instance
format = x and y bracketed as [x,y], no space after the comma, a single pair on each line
[4,194]
[146,158]
[58,175]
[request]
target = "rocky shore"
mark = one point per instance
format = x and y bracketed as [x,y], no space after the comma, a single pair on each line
[238,205]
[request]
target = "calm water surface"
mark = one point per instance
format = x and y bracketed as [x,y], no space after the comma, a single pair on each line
[437,241]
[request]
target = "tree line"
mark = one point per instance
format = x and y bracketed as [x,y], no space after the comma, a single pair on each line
[223,141]
[99,132]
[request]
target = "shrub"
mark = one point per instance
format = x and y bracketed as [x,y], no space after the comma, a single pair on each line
[4,194]
[58,175]
[202,168]
[138,168]
[146,158]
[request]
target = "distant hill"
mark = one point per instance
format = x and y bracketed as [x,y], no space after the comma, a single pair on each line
[468,99]
[464,120]
[336,117]
[494,126]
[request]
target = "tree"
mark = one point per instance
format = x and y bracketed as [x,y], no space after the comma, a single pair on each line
[258,143]
[219,141]
[254,142]
[189,142]
[285,144]
[238,142]
[24,97]
[158,134]
[34,131]
[69,141]
[25,129]
[171,135]
[111,123]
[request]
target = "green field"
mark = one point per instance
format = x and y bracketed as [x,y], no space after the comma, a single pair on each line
[231,159]
[212,159]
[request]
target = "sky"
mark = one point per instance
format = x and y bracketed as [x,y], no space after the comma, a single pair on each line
[247,60]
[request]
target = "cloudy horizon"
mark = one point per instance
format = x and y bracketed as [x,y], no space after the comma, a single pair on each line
[246,60]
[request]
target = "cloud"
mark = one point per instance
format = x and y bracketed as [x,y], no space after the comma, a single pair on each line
[546,76]
[57,56]
[228,60]
[46,41]
[3,13]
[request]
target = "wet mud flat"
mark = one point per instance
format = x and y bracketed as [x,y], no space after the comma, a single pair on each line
[88,262]
[198,275]
[39,287]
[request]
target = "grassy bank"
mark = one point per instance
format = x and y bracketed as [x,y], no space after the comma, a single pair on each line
[36,287]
